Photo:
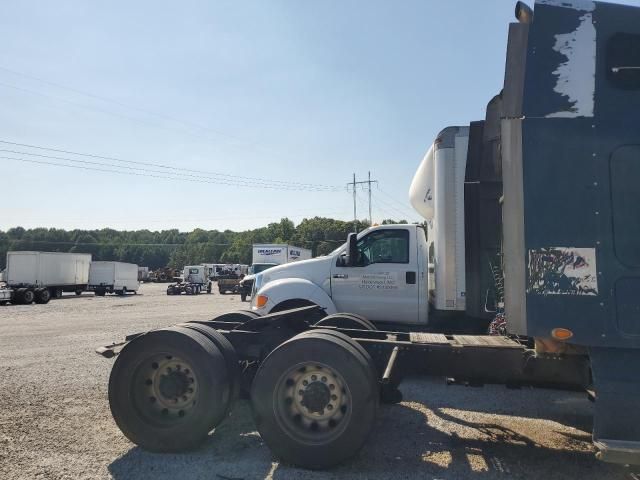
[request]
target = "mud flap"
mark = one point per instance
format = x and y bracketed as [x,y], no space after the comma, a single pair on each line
[616,426]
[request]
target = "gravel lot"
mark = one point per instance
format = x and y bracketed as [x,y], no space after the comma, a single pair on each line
[55,420]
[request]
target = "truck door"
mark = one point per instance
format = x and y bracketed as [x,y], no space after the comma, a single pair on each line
[383,283]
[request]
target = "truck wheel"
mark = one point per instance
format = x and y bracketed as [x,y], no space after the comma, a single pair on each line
[168,389]
[230,357]
[122,292]
[100,292]
[79,292]
[346,320]
[243,297]
[315,399]
[57,293]
[188,290]
[28,296]
[43,296]
[209,287]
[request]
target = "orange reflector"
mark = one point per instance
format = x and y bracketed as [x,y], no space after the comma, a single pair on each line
[561,333]
[261,301]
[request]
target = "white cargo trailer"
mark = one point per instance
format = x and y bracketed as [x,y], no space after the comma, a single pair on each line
[278,253]
[113,277]
[37,276]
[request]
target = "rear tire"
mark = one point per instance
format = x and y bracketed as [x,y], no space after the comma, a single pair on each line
[347,321]
[79,292]
[43,296]
[322,420]
[168,389]
[28,296]
[57,293]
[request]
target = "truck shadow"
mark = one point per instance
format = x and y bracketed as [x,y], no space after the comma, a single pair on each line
[524,434]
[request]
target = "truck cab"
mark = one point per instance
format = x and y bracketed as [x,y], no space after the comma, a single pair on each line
[383,278]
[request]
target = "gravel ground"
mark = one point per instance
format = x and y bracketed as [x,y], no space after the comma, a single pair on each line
[55,420]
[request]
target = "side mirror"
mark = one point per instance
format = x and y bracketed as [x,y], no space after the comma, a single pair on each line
[352,256]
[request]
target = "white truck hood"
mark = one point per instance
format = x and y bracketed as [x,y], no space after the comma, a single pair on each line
[316,270]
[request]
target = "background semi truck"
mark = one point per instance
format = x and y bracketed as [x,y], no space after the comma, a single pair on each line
[195,279]
[552,180]
[38,276]
[113,277]
[267,255]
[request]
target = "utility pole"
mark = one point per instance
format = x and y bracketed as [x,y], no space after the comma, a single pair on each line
[354,185]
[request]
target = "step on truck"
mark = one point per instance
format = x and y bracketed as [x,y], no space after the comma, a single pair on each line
[560,149]
[39,276]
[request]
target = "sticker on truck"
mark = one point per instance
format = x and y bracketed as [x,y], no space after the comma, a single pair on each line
[562,271]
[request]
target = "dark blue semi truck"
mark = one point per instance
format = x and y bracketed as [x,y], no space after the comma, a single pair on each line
[552,190]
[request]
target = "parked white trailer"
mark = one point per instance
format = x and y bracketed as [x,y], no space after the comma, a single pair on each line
[37,276]
[113,277]
[278,253]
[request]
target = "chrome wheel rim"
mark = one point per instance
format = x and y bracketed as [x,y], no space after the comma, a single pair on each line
[313,402]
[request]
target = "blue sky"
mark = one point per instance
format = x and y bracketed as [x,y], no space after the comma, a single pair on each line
[307,92]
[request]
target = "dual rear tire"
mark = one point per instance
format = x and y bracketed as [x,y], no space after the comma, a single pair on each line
[169,388]
[314,397]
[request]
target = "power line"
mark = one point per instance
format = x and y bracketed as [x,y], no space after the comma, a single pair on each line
[159,165]
[171,175]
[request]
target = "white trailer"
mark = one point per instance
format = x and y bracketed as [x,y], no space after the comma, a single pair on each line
[113,277]
[278,253]
[37,276]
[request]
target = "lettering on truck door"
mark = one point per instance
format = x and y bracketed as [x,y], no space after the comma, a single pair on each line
[382,285]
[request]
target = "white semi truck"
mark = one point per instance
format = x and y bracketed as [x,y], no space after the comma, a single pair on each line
[113,277]
[195,279]
[38,276]
[403,274]
[267,255]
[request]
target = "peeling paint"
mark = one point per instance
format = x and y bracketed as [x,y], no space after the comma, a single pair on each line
[562,271]
[576,77]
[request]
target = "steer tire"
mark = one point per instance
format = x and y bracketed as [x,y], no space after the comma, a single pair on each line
[158,366]
[331,419]
[43,296]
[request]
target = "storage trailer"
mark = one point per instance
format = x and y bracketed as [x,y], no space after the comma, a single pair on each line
[113,277]
[560,146]
[267,255]
[39,276]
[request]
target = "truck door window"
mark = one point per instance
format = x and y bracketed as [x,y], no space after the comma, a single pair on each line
[383,246]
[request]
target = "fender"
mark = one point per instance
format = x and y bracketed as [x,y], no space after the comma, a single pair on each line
[278,291]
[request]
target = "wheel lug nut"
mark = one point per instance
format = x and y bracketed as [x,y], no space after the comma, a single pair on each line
[314,377]
[329,407]
[300,392]
[305,383]
[324,379]
[334,397]
[332,387]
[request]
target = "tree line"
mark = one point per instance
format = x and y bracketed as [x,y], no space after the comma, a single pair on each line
[172,248]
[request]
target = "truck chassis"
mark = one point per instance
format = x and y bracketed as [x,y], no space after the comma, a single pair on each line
[315,381]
